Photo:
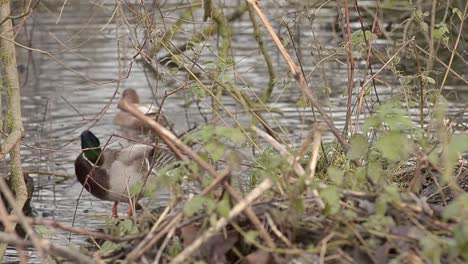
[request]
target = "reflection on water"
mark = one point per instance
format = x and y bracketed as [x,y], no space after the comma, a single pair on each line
[88,52]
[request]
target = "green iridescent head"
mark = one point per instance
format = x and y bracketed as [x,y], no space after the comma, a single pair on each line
[91,147]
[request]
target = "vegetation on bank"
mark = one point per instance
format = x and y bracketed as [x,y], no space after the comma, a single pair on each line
[390,187]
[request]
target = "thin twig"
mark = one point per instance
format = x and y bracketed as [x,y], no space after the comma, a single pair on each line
[347,126]
[163,246]
[314,158]
[52,249]
[154,234]
[236,210]
[388,62]
[299,76]
[275,230]
[455,46]
[19,212]
[10,228]
[76,230]
[282,150]
[323,248]
[297,167]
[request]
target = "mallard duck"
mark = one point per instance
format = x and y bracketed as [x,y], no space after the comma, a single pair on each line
[27,209]
[126,120]
[109,174]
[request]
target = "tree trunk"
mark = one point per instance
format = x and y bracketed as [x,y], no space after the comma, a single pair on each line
[14,125]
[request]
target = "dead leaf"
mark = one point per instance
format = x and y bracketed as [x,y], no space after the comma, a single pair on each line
[214,250]
[407,231]
[189,233]
[258,257]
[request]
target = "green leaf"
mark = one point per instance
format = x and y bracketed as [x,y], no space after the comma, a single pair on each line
[375,172]
[331,197]
[392,193]
[207,181]
[267,165]
[358,38]
[302,102]
[150,189]
[136,188]
[428,79]
[311,248]
[298,203]
[424,26]
[196,204]
[213,219]
[394,146]
[359,147]
[433,157]
[215,149]
[250,236]
[43,230]
[458,144]
[174,70]
[380,206]
[335,174]
[359,178]
[431,248]
[458,13]
[174,248]
[234,134]
[108,247]
[233,160]
[127,227]
[420,19]
[391,114]
[223,207]
[440,31]
[372,122]
[370,36]
[457,208]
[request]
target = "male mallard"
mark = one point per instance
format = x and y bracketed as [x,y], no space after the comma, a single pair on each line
[109,174]
[126,120]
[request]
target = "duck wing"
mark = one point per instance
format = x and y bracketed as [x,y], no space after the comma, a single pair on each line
[148,109]
[126,167]
[160,157]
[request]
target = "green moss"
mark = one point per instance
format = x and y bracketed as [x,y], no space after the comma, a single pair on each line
[8,87]
[16,173]
[10,120]
[6,57]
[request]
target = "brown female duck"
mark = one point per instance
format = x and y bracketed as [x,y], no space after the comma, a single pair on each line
[126,120]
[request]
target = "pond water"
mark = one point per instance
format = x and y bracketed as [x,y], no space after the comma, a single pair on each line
[86,55]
